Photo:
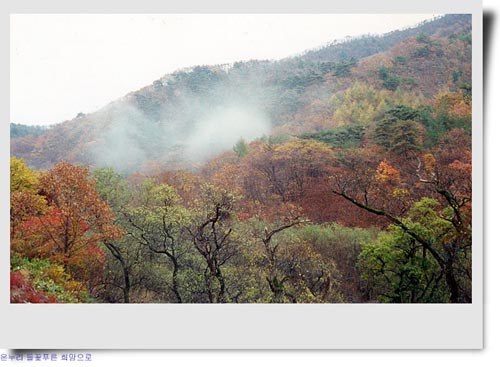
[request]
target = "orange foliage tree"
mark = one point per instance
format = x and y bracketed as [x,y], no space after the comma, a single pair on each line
[70,232]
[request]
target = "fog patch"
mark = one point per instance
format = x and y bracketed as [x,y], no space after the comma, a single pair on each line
[221,128]
[180,130]
[119,146]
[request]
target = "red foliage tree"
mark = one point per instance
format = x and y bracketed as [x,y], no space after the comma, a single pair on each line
[78,220]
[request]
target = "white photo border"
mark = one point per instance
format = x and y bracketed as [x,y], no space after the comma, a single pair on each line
[249,326]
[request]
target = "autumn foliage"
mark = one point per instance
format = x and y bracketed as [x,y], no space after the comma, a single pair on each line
[361,192]
[62,219]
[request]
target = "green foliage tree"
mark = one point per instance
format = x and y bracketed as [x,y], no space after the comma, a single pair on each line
[399,269]
[397,132]
[212,235]
[402,60]
[346,136]
[343,245]
[389,80]
[158,224]
[423,38]
[275,280]
[127,258]
[241,148]
[450,111]
[447,241]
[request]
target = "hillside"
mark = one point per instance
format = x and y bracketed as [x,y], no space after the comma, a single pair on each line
[187,116]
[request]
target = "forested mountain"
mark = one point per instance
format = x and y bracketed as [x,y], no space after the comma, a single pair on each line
[202,111]
[339,175]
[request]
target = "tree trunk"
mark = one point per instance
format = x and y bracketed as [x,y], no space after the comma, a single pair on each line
[175,281]
[452,284]
[126,289]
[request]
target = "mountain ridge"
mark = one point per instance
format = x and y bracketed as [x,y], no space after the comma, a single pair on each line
[288,96]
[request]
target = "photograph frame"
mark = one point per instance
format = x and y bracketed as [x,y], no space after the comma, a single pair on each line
[250,326]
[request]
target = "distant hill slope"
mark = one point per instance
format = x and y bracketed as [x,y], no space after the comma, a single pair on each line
[192,114]
[367,45]
[20,130]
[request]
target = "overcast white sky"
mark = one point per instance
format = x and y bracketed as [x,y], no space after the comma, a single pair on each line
[65,64]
